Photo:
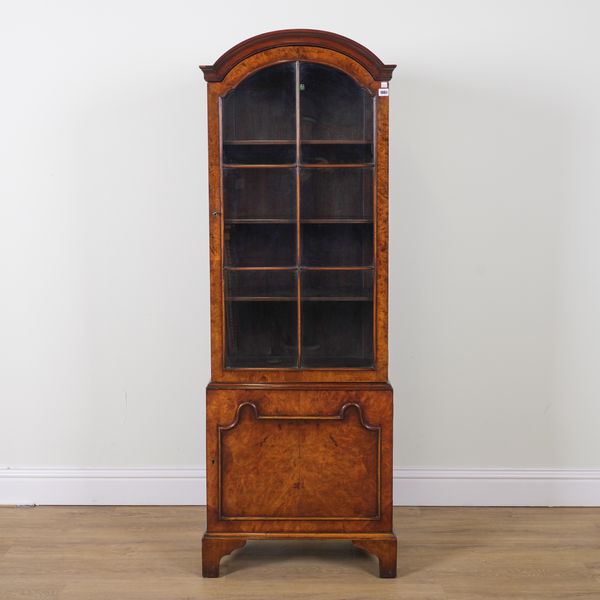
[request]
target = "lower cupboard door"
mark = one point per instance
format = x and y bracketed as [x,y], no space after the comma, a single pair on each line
[317,467]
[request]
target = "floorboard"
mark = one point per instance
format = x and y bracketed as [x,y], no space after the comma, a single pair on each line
[153,553]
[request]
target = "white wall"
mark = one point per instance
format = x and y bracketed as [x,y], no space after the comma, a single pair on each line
[495,210]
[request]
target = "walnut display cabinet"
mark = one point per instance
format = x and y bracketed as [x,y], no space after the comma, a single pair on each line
[299,408]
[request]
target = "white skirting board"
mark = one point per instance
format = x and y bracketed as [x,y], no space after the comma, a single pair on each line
[496,487]
[186,486]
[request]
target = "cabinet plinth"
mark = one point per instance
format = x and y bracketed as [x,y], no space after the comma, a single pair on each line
[299,410]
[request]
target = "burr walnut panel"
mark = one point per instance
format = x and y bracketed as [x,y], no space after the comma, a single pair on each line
[291,459]
[299,467]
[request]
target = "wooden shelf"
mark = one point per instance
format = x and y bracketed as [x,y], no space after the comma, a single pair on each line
[290,268]
[301,165]
[337,142]
[336,298]
[334,221]
[300,268]
[336,165]
[351,268]
[257,142]
[302,221]
[294,298]
[261,298]
[258,166]
[290,142]
[258,221]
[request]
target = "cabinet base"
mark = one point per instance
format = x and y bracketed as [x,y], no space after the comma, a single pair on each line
[215,547]
[384,550]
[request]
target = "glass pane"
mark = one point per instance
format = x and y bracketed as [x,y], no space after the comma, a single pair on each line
[261,319]
[260,245]
[267,285]
[346,285]
[259,121]
[337,245]
[336,117]
[336,194]
[261,334]
[262,106]
[337,153]
[259,154]
[259,194]
[337,318]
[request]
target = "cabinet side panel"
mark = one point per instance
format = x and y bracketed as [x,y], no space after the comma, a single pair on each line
[381,235]
[215,232]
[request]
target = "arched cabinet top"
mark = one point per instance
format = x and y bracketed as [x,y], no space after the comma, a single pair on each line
[298,37]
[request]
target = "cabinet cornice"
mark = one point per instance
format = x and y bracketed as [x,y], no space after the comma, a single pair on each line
[297,37]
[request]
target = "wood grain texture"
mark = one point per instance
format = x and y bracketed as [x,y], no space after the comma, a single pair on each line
[154,553]
[382,233]
[299,453]
[215,208]
[214,549]
[298,37]
[287,467]
[215,92]
[386,553]
[291,467]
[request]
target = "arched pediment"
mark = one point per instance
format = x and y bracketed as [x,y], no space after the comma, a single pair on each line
[298,37]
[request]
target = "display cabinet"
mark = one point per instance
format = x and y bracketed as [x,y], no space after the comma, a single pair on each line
[299,409]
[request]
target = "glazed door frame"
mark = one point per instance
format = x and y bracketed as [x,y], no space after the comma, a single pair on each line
[216,91]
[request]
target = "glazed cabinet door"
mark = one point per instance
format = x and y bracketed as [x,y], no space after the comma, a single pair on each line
[298,179]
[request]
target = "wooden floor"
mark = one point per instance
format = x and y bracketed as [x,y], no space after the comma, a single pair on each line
[153,553]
